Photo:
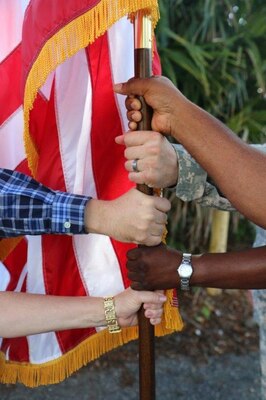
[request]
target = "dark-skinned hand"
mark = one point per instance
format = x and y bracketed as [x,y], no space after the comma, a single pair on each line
[153,268]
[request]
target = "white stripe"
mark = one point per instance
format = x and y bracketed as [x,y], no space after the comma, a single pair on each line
[43,347]
[11,141]
[35,281]
[98,265]
[5,277]
[73,107]
[122,58]
[7,353]
[11,18]
[46,88]
[84,182]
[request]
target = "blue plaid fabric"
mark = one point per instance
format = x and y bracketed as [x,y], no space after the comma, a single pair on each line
[29,208]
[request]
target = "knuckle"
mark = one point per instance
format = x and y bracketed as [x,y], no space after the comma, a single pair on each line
[146,174]
[127,151]
[129,116]
[142,238]
[153,164]
[154,135]
[149,243]
[155,150]
[168,206]
[127,165]
[149,172]
[132,126]
[165,203]
[160,232]
[156,240]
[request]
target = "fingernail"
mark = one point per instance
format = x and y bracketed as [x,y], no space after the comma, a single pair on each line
[162,297]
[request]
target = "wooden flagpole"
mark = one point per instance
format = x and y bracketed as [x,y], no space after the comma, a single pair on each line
[143,69]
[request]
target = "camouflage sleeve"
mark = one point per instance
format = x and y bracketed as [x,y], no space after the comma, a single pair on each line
[192,183]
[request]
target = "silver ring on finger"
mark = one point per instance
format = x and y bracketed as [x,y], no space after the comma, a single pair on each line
[135,165]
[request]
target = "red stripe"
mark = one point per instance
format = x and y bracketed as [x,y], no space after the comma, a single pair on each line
[17,349]
[43,130]
[10,84]
[37,121]
[15,263]
[156,62]
[43,18]
[23,167]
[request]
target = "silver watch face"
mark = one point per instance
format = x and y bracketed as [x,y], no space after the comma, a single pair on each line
[185,270]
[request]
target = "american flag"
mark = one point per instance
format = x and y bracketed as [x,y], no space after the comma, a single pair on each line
[72,126]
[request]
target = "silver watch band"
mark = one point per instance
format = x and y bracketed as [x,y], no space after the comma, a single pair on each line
[184,282]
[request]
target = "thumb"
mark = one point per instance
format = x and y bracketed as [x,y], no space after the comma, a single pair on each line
[120,139]
[133,86]
[152,297]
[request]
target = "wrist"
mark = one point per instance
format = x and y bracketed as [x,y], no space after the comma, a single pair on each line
[96,216]
[182,119]
[185,271]
[110,315]
[90,313]
[171,274]
[174,167]
[203,270]
[198,277]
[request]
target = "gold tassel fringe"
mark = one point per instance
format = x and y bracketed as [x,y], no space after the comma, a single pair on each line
[68,41]
[78,34]
[8,245]
[33,375]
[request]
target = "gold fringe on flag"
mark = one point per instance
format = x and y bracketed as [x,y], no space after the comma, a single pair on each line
[74,36]
[8,245]
[55,371]
[33,375]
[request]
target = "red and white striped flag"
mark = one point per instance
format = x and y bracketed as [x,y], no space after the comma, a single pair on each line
[68,64]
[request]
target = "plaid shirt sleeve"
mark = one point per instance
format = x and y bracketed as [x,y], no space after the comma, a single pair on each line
[29,208]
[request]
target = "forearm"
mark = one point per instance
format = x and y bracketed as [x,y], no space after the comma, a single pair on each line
[237,169]
[26,314]
[233,270]
[30,208]
[156,268]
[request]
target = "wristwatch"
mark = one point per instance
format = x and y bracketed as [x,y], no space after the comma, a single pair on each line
[185,270]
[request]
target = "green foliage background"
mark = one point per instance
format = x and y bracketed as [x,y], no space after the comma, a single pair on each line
[215,52]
